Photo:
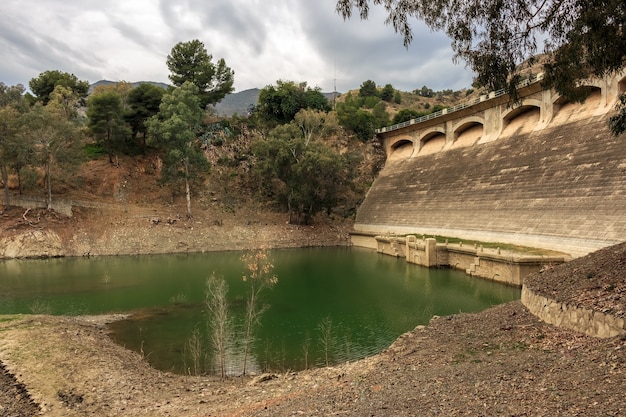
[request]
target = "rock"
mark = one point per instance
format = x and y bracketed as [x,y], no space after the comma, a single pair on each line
[262,378]
[31,243]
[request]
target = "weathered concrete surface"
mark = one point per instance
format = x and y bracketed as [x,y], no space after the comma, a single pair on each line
[561,188]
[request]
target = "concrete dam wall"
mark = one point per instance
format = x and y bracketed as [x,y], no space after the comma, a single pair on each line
[557,184]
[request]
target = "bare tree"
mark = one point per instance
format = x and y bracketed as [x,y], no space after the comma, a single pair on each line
[220,324]
[260,276]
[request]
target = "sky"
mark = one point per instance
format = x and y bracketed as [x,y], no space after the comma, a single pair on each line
[261,40]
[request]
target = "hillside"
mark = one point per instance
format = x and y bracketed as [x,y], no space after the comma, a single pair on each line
[134,84]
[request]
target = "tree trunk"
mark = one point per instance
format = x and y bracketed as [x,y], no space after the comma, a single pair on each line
[187,190]
[109,145]
[5,180]
[49,184]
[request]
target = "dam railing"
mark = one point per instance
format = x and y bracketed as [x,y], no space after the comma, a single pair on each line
[493,94]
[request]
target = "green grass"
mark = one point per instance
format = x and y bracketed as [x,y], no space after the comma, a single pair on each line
[94,151]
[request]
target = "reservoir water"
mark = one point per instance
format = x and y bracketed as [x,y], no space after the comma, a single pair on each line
[362,299]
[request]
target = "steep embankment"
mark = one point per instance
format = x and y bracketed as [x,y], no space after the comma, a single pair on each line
[563,187]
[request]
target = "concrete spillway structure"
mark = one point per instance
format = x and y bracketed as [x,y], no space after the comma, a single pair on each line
[543,173]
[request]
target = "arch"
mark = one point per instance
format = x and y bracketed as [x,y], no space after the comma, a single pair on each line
[527,105]
[468,131]
[433,141]
[397,142]
[567,111]
[521,119]
[401,149]
[428,134]
[467,123]
[587,89]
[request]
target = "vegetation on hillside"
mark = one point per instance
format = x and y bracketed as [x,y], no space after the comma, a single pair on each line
[582,38]
[290,153]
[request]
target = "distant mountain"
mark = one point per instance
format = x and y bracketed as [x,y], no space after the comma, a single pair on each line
[240,103]
[236,103]
[135,84]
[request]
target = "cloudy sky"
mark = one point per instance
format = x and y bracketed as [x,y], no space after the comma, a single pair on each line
[261,40]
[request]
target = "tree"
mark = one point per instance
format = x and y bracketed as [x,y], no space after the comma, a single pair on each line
[303,176]
[359,121]
[121,88]
[380,113]
[43,85]
[279,104]
[368,89]
[405,115]
[143,103]
[617,123]
[220,323]
[190,62]
[315,124]
[173,130]
[259,276]
[8,134]
[388,93]
[64,102]
[56,141]
[15,151]
[583,38]
[106,120]
[425,92]
[12,96]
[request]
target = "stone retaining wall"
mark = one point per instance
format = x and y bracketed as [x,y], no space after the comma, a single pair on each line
[506,267]
[30,202]
[589,322]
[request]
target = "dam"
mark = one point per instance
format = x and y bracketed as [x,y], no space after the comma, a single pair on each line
[540,172]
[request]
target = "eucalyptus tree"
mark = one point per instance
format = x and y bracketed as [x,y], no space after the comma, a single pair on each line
[56,142]
[582,38]
[174,131]
[190,62]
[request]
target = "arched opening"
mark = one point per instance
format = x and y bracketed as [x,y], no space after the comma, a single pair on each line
[402,149]
[521,120]
[467,134]
[566,111]
[432,142]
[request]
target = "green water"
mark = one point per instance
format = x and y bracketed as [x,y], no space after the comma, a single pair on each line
[370,299]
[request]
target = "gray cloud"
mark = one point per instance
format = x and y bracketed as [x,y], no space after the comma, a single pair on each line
[365,50]
[31,52]
[261,41]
